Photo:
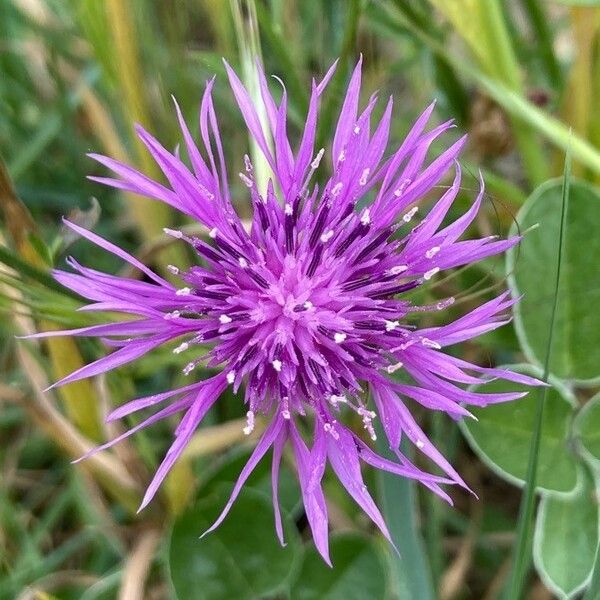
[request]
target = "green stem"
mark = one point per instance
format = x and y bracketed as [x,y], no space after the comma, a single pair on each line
[521,553]
[543,35]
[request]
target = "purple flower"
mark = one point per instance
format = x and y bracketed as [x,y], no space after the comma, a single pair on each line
[307,310]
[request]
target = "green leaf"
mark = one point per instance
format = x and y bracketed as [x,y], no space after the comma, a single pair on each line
[587,429]
[532,268]
[578,2]
[566,536]
[358,572]
[260,479]
[502,434]
[241,559]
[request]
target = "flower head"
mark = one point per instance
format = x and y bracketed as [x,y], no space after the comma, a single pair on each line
[306,309]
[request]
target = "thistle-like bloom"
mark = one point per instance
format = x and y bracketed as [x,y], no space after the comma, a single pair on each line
[306,310]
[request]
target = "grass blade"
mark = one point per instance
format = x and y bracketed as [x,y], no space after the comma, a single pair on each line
[398,496]
[520,554]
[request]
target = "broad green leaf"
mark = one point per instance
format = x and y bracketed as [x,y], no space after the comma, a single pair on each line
[566,536]
[502,434]
[241,559]
[229,471]
[358,572]
[532,267]
[587,427]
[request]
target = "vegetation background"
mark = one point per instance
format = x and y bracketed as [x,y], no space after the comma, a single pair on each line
[522,77]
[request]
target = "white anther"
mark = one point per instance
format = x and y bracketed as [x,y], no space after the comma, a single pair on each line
[277,364]
[391,325]
[445,303]
[317,160]
[398,269]
[410,214]
[325,237]
[429,274]
[393,368]
[356,129]
[288,210]
[171,315]
[231,377]
[249,423]
[366,217]
[173,232]
[330,429]
[189,368]
[247,181]
[432,252]
[213,233]
[430,343]
[243,262]
[308,305]
[248,163]
[181,348]
[184,291]
[419,444]
[173,269]
[335,399]
[286,414]
[337,188]
[400,190]
[342,156]
[364,177]
[339,338]
[224,319]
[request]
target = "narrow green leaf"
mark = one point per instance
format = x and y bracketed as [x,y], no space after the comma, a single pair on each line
[587,431]
[520,560]
[398,496]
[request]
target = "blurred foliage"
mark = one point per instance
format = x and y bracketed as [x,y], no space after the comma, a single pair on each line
[74,76]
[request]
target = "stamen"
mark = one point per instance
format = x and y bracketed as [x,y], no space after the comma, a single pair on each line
[308,305]
[400,190]
[173,232]
[243,262]
[391,325]
[288,209]
[213,233]
[342,156]
[364,177]
[231,377]
[339,338]
[419,444]
[356,129]
[171,315]
[224,319]
[337,399]
[317,160]
[329,428]
[327,236]
[189,368]
[410,214]
[430,343]
[396,270]
[432,252]
[429,274]
[181,348]
[367,419]
[173,269]
[184,291]
[393,368]
[337,188]
[285,412]
[277,365]
[250,423]
[366,216]
[247,181]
